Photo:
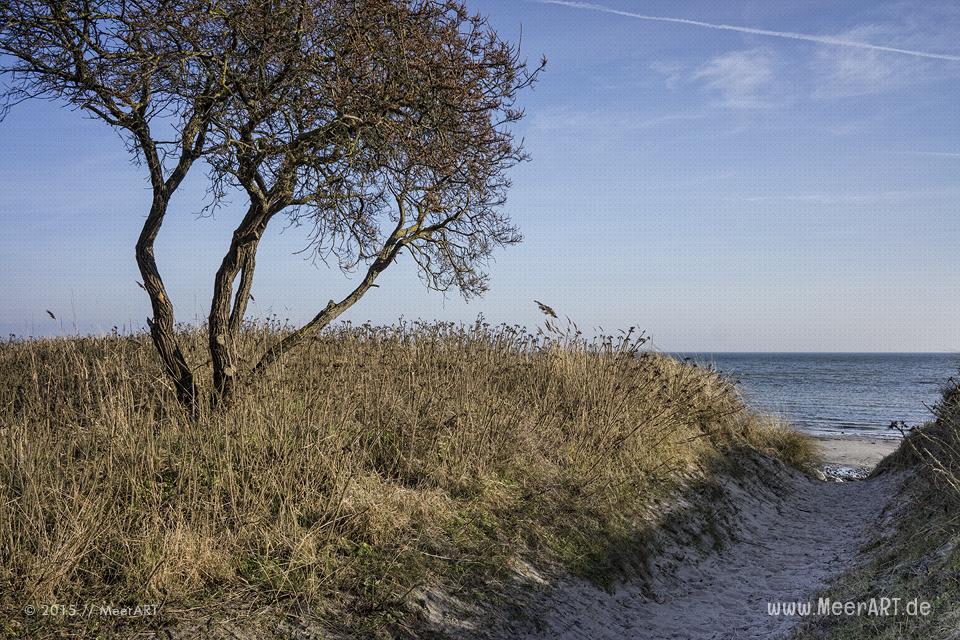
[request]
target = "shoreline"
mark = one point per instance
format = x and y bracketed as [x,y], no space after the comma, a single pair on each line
[854,451]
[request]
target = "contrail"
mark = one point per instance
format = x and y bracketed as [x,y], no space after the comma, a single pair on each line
[760,32]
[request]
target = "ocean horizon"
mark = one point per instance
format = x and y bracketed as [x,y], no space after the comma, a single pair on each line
[838,393]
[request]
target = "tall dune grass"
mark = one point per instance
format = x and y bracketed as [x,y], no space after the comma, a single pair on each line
[374,460]
[933,449]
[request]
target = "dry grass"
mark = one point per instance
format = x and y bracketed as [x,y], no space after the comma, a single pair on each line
[933,450]
[777,439]
[371,461]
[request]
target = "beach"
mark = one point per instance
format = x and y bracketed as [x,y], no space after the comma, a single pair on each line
[852,451]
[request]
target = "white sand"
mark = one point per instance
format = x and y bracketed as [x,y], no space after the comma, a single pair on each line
[789,542]
[855,452]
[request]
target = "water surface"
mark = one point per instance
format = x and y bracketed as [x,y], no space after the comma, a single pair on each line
[839,393]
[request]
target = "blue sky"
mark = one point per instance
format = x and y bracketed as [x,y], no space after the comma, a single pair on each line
[723,189]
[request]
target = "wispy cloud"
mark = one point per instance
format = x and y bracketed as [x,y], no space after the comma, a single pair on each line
[830,40]
[934,154]
[858,72]
[742,78]
[673,72]
[888,196]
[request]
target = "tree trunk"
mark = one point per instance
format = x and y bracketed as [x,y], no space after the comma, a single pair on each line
[243,291]
[161,325]
[224,323]
[331,312]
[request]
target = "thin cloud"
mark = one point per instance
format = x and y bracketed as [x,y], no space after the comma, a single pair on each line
[854,198]
[845,73]
[933,154]
[742,78]
[759,32]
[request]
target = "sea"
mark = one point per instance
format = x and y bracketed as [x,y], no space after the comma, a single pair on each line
[847,394]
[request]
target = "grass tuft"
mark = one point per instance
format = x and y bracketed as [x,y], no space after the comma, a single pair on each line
[773,437]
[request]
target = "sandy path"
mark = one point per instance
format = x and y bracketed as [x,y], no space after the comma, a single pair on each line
[787,545]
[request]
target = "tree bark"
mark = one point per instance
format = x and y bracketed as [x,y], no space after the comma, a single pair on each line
[224,322]
[162,323]
[242,297]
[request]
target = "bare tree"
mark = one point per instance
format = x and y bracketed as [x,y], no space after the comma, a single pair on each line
[124,63]
[384,125]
